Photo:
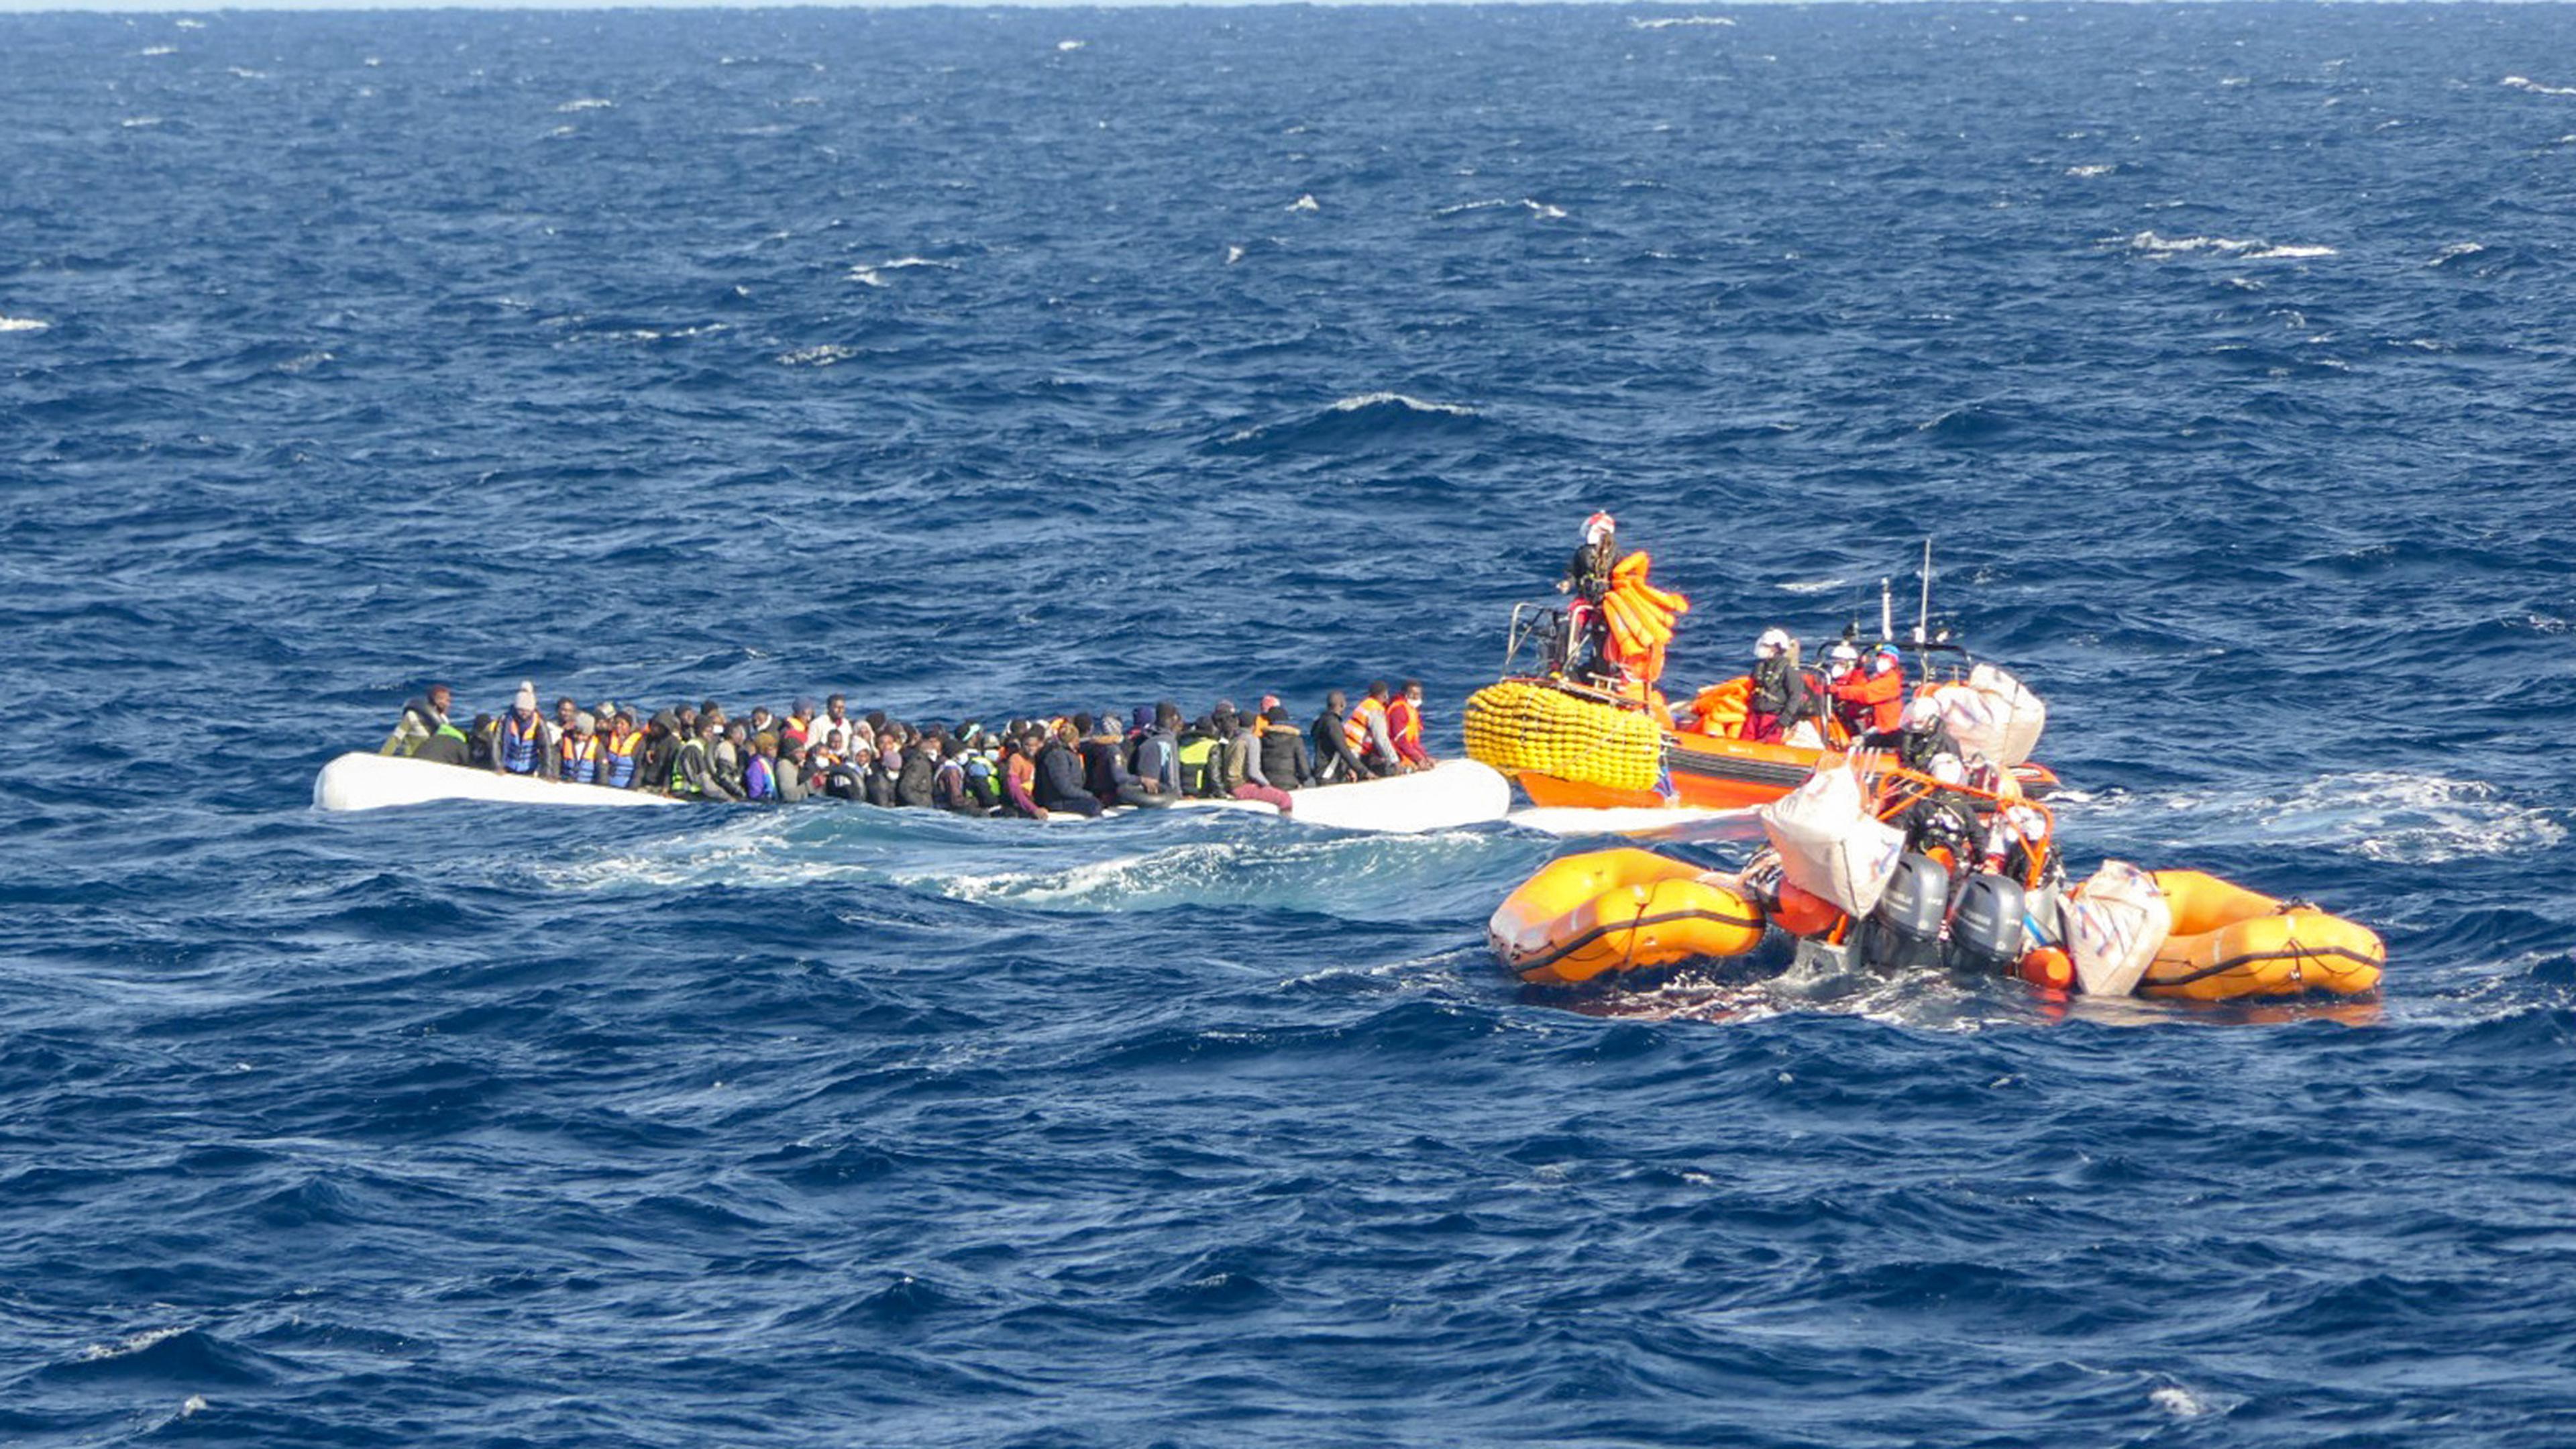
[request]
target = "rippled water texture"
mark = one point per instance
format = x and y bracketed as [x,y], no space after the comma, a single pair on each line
[985,362]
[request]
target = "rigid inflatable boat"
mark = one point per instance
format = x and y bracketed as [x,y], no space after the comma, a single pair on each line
[1854,891]
[1568,745]
[1448,795]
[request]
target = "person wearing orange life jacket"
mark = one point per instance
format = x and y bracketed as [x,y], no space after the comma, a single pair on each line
[1365,732]
[1404,726]
[521,742]
[1869,698]
[578,751]
[621,761]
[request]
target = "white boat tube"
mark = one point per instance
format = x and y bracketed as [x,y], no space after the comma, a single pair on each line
[372,782]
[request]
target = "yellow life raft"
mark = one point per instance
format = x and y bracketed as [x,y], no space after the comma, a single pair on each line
[2228,943]
[1619,910]
[1518,726]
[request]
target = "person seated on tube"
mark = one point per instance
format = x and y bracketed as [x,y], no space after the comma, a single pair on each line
[760,769]
[948,789]
[1336,758]
[521,743]
[1157,752]
[1105,776]
[1283,751]
[621,763]
[790,778]
[1060,773]
[1020,775]
[1404,726]
[421,719]
[1367,733]
[579,754]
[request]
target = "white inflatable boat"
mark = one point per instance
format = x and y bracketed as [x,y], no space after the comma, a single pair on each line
[1451,794]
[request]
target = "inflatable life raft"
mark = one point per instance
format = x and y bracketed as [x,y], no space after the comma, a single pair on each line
[2226,942]
[1620,910]
[1569,746]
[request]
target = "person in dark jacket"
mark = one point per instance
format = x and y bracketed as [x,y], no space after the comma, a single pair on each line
[1334,759]
[948,788]
[1158,752]
[1104,766]
[1920,740]
[914,782]
[1060,776]
[789,779]
[1283,752]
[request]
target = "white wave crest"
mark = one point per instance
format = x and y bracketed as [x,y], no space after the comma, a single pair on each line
[1069,46]
[132,1345]
[1411,404]
[22,324]
[586,103]
[2101,169]
[2253,251]
[1540,209]
[160,50]
[1306,202]
[823,356]
[1668,22]
[2526,83]
[875,275]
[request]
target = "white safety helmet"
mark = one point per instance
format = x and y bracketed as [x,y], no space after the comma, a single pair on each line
[1922,712]
[1773,642]
[1598,527]
[1947,769]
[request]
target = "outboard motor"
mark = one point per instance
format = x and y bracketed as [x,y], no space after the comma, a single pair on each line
[1986,933]
[1905,931]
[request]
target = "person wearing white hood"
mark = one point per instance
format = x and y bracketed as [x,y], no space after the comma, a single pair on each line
[523,743]
[1780,698]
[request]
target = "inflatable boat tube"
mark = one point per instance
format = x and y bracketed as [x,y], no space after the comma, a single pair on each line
[1619,910]
[2229,943]
[1448,795]
[373,782]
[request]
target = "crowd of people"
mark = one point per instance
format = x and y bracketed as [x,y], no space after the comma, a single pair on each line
[1081,763]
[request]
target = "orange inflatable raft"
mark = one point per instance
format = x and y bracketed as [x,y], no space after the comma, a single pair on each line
[2228,943]
[1620,910]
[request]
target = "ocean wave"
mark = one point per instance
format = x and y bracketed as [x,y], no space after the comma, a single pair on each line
[586,103]
[2526,83]
[1360,419]
[22,324]
[2253,251]
[874,274]
[1539,209]
[1671,22]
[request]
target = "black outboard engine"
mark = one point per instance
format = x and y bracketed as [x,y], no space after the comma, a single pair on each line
[1986,930]
[1905,931]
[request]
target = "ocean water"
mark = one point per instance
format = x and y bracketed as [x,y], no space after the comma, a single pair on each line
[988,361]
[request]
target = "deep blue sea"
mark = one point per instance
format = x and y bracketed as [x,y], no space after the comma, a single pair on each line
[982,362]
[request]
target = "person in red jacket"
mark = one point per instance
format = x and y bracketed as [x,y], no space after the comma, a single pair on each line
[1870,697]
[1404,726]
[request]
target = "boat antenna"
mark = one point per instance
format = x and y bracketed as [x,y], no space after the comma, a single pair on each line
[1923,619]
[1886,610]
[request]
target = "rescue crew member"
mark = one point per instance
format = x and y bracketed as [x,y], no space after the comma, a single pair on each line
[1587,578]
[1779,698]
[1870,698]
